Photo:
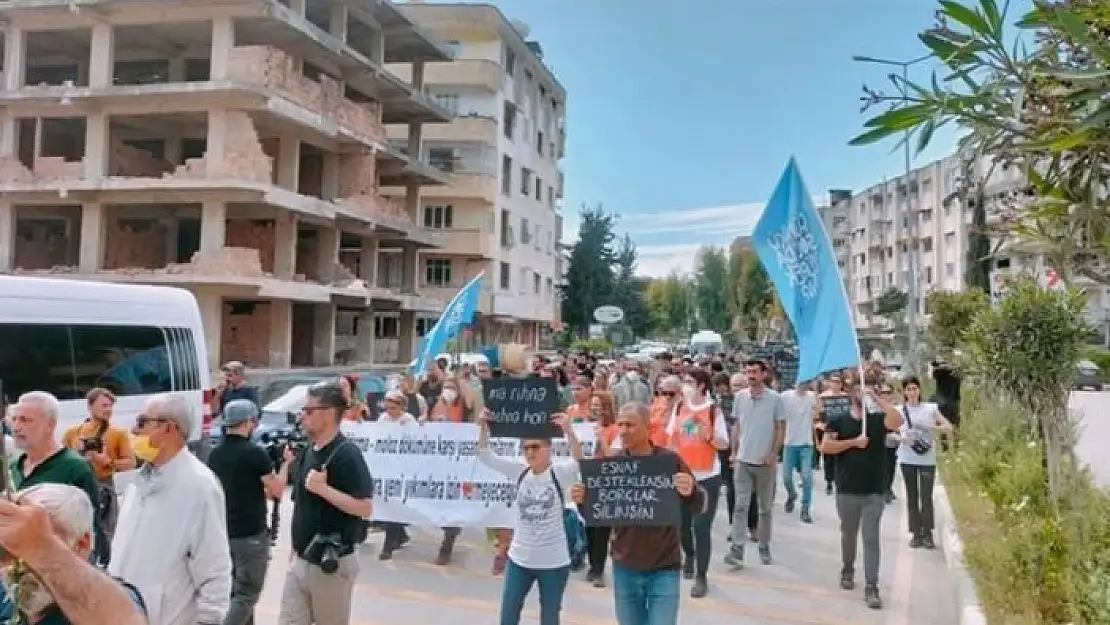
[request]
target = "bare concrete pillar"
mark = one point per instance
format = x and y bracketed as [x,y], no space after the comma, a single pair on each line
[7,236]
[289,162]
[330,184]
[323,335]
[97,135]
[177,69]
[93,235]
[216,143]
[368,260]
[298,6]
[285,246]
[15,58]
[327,246]
[337,21]
[173,227]
[364,338]
[406,341]
[408,268]
[213,226]
[9,135]
[223,40]
[418,74]
[281,333]
[376,46]
[212,319]
[412,203]
[102,56]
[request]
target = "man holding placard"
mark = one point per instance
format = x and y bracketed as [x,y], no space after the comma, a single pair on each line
[639,491]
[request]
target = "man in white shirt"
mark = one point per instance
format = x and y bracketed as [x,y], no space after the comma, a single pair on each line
[171,537]
[797,453]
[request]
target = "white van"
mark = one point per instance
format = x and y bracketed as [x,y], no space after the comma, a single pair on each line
[68,336]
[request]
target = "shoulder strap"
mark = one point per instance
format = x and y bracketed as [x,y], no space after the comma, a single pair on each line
[906,413]
[558,488]
[522,475]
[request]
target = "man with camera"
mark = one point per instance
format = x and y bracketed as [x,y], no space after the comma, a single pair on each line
[332,493]
[107,448]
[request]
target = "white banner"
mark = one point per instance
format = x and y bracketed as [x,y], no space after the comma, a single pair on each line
[429,474]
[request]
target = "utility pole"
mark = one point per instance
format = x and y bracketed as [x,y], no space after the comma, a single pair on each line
[913,290]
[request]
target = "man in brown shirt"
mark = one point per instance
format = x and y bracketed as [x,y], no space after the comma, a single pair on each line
[647,560]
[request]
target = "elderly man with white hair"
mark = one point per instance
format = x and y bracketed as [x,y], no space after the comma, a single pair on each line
[34,419]
[46,579]
[171,537]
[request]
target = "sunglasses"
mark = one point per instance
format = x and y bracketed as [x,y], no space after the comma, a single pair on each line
[667,393]
[142,420]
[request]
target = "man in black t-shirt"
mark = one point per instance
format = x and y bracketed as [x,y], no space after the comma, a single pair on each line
[247,475]
[858,441]
[332,493]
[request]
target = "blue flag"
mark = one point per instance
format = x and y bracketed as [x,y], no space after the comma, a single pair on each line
[458,314]
[793,247]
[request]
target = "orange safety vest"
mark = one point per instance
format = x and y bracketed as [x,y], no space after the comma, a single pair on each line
[578,413]
[692,438]
[660,416]
[452,412]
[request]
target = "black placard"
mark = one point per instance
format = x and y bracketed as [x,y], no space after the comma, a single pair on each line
[631,490]
[836,407]
[521,407]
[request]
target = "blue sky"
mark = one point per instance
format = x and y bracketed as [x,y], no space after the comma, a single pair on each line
[682,114]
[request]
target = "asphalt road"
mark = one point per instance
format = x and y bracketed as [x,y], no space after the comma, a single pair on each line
[1092,409]
[799,588]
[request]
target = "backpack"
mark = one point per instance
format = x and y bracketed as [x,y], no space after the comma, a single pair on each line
[574,526]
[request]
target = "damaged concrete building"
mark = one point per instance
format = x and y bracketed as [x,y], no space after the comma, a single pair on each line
[234,148]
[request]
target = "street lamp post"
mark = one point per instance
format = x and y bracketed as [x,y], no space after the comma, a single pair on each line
[912,291]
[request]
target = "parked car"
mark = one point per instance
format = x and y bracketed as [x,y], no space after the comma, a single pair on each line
[1088,376]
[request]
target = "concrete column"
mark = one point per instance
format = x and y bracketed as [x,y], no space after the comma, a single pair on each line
[329,187]
[289,162]
[285,242]
[408,269]
[337,21]
[213,226]
[298,6]
[281,333]
[418,74]
[376,47]
[223,39]
[416,141]
[212,318]
[102,64]
[9,135]
[97,142]
[412,203]
[93,236]
[172,226]
[172,154]
[327,246]
[177,69]
[364,339]
[368,262]
[216,143]
[323,335]
[7,236]
[406,340]
[15,58]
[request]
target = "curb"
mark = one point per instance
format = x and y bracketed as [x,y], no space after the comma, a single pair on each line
[969,610]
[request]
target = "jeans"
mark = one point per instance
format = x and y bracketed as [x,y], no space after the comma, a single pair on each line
[645,597]
[800,458]
[861,514]
[249,558]
[758,480]
[697,529]
[891,467]
[919,497]
[519,582]
[729,483]
[107,512]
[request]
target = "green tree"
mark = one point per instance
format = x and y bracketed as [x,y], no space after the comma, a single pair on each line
[950,314]
[1041,109]
[755,293]
[710,285]
[628,289]
[891,304]
[590,280]
[676,303]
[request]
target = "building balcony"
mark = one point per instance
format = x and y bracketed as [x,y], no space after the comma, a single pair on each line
[474,242]
[525,306]
[444,293]
[459,73]
[463,129]
[466,186]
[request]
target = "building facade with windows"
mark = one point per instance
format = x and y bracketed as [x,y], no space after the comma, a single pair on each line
[500,211]
[236,150]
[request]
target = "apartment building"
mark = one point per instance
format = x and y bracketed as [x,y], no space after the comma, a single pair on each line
[500,212]
[235,149]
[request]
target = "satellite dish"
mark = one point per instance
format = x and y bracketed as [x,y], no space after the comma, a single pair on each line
[608,314]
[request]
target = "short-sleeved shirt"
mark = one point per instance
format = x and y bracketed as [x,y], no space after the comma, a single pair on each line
[53,615]
[799,417]
[347,473]
[249,393]
[117,443]
[860,471]
[757,416]
[64,467]
[240,465]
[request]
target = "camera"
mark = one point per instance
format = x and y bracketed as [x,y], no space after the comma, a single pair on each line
[324,550]
[91,444]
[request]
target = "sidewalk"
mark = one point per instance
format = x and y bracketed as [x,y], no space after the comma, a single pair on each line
[800,588]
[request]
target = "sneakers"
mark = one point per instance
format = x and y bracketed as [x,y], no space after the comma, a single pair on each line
[847,580]
[765,554]
[700,588]
[829,488]
[735,556]
[805,516]
[789,507]
[916,542]
[871,597]
[599,581]
[927,541]
[688,568]
[386,553]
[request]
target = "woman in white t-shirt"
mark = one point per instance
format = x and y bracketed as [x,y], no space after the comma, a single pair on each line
[917,454]
[395,535]
[538,553]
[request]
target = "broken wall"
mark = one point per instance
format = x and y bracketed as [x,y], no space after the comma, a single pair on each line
[258,234]
[245,333]
[135,243]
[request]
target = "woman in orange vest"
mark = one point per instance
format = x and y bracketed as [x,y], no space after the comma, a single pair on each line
[455,403]
[697,431]
[582,393]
